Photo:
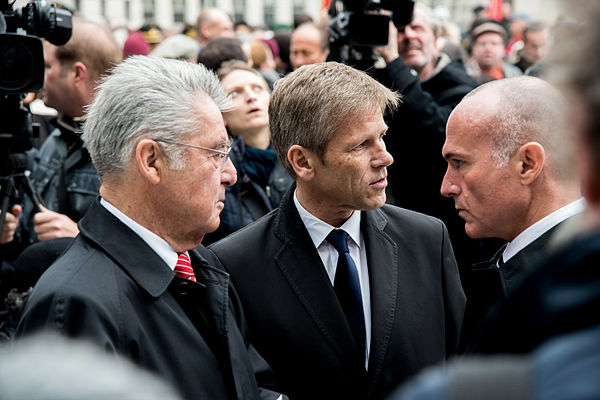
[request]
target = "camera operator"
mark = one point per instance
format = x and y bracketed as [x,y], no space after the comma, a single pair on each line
[432,85]
[62,171]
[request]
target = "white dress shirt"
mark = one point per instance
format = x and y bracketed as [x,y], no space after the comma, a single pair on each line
[542,226]
[156,243]
[318,231]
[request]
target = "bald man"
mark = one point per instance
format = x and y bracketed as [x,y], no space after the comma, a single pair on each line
[510,173]
[213,23]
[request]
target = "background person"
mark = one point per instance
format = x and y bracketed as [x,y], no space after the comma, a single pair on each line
[262,180]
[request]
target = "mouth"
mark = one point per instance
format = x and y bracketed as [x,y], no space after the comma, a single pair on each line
[381,183]
[254,110]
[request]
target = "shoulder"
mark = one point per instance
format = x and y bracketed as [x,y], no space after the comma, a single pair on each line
[453,76]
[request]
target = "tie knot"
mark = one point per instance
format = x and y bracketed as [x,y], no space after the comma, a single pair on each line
[338,239]
[183,268]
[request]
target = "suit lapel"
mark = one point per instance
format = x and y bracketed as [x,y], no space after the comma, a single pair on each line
[382,259]
[302,267]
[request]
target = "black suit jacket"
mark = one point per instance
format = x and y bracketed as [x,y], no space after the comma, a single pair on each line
[297,323]
[491,285]
[112,288]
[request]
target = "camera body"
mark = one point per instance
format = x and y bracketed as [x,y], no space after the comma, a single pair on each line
[22,71]
[365,23]
[21,51]
[357,26]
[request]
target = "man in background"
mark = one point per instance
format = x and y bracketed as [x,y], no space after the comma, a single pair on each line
[62,171]
[213,23]
[309,44]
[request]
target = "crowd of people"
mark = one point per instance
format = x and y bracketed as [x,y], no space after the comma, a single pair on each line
[243,216]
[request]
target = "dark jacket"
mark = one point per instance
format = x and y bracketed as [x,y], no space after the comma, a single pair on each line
[561,296]
[112,288]
[65,178]
[491,284]
[296,321]
[248,199]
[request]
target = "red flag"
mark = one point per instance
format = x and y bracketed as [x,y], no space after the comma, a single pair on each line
[494,10]
[325,4]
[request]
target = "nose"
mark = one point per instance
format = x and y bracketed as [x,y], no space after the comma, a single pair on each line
[449,188]
[229,174]
[409,32]
[250,95]
[383,158]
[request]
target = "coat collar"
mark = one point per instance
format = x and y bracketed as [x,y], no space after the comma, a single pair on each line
[142,264]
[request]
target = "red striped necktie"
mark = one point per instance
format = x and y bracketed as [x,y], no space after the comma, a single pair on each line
[183,268]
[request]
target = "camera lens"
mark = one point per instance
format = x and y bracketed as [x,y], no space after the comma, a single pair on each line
[22,68]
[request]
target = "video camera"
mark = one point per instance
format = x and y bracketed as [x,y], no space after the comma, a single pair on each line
[356,26]
[22,71]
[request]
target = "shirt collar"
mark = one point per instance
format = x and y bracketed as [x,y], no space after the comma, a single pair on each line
[318,229]
[158,244]
[542,226]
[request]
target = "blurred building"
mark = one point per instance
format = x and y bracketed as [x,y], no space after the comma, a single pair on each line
[273,13]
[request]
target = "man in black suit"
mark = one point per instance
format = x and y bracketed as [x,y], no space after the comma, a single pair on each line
[511,175]
[130,281]
[345,296]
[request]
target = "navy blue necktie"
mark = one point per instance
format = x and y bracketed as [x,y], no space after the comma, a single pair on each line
[347,288]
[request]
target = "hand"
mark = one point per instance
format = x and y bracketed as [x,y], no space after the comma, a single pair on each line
[50,225]
[11,222]
[389,52]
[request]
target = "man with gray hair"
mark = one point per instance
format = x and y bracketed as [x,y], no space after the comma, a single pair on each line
[511,175]
[132,281]
[345,296]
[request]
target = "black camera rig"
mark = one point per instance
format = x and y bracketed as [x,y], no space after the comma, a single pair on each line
[22,71]
[356,26]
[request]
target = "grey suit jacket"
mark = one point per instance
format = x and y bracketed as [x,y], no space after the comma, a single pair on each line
[298,326]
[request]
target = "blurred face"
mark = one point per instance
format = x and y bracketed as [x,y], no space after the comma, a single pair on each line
[416,42]
[536,45]
[488,50]
[58,82]
[195,194]
[305,47]
[486,197]
[250,97]
[220,27]
[353,175]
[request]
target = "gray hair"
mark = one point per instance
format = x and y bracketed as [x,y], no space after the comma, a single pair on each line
[147,97]
[315,102]
[529,109]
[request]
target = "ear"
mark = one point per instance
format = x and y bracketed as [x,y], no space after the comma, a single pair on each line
[81,71]
[149,162]
[530,159]
[302,161]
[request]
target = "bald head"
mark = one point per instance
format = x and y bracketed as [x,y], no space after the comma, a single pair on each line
[520,110]
[213,23]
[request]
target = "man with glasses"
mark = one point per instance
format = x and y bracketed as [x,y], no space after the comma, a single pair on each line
[135,279]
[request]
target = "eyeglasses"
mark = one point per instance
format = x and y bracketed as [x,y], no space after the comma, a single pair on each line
[221,155]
